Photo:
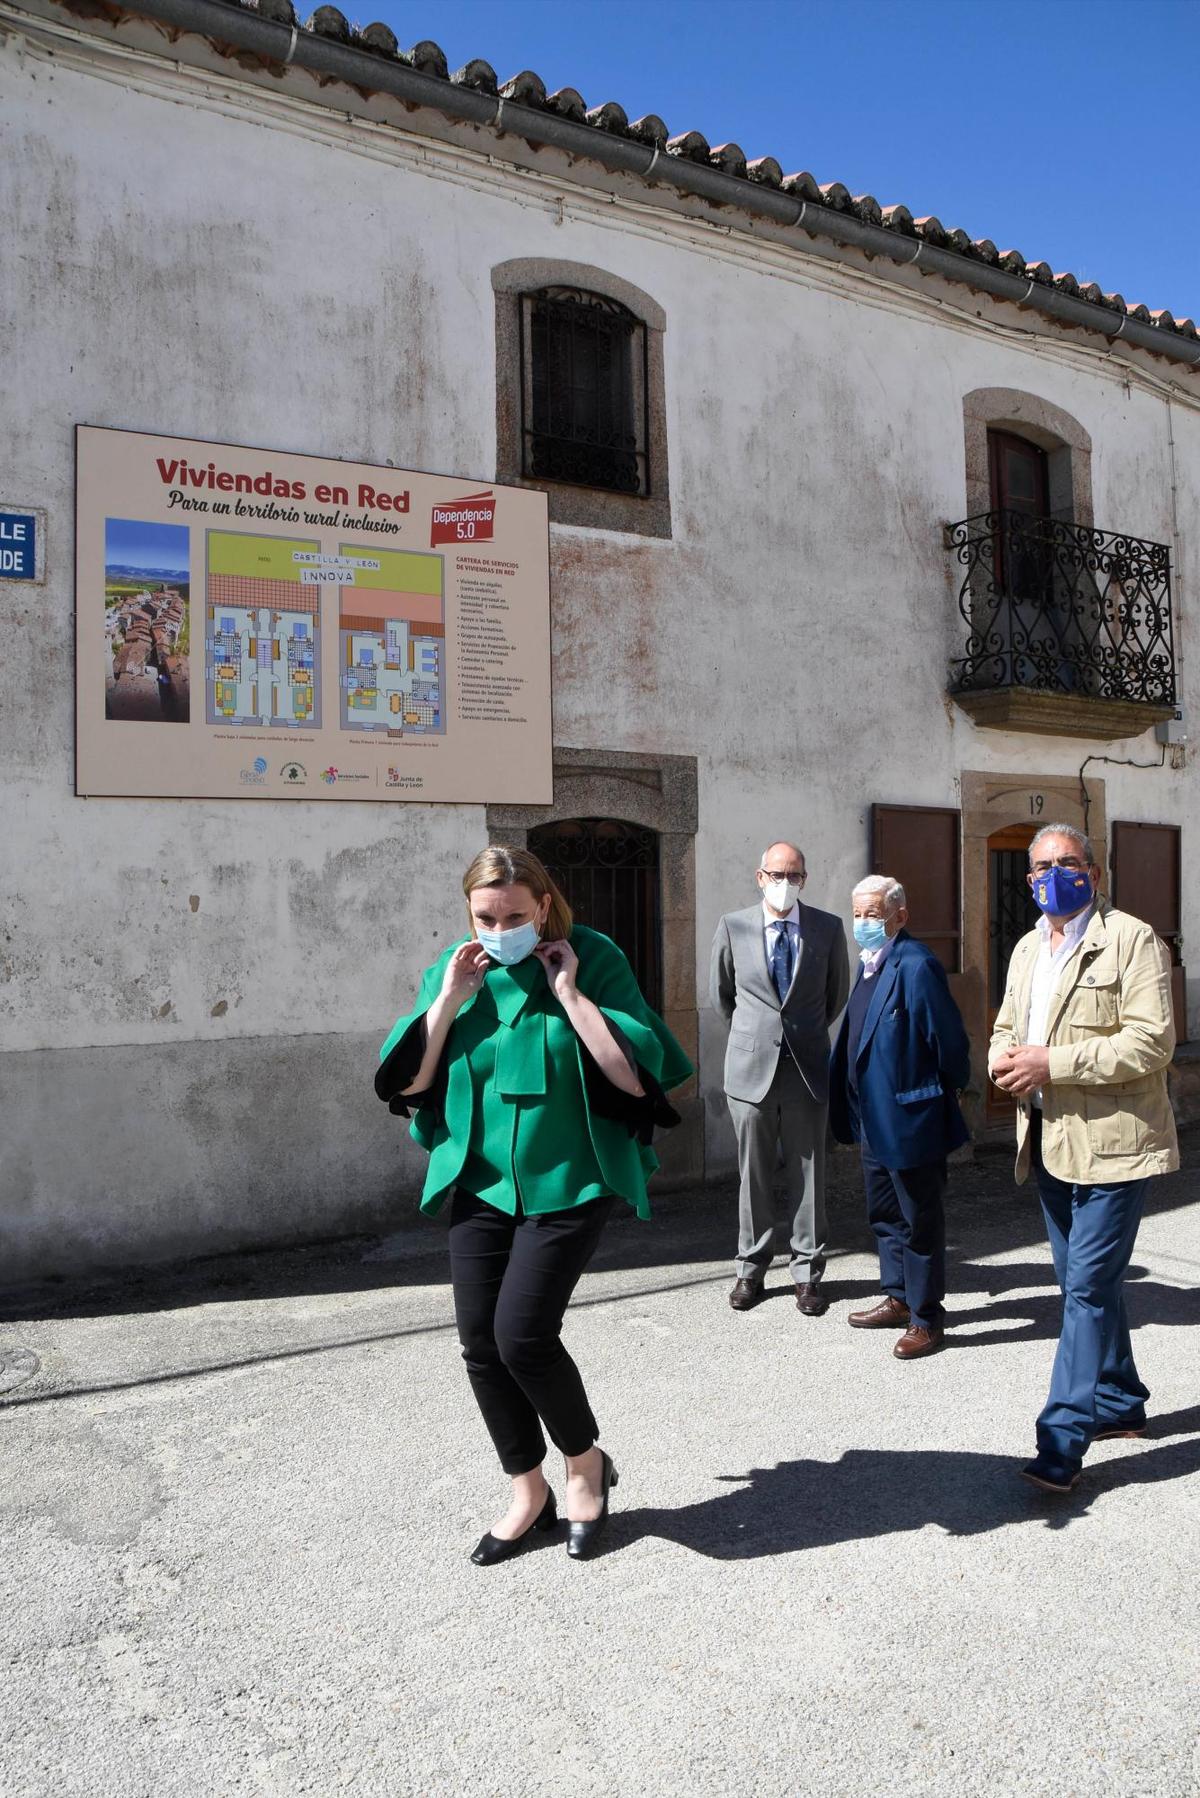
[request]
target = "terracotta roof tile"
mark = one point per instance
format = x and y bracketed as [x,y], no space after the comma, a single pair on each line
[802,187]
[327,21]
[478,75]
[430,58]
[568,103]
[649,130]
[527,89]
[689,144]
[609,117]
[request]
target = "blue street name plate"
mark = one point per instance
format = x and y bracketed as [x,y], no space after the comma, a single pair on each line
[18,546]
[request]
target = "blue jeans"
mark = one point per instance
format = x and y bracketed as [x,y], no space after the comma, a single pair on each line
[1092,1231]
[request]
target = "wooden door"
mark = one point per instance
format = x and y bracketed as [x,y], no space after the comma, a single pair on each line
[918,845]
[1146,860]
[1020,475]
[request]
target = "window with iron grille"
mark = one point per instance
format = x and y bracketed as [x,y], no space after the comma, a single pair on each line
[584,385]
[608,870]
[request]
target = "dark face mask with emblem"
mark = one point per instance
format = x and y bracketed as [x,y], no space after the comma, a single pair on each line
[1060,892]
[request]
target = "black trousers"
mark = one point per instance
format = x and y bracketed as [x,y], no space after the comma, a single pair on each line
[513,1278]
[906,1211]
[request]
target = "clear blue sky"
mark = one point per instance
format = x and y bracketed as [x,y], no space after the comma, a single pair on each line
[132,543]
[1065,129]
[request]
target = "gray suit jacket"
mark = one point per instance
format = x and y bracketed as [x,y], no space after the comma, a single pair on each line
[742,990]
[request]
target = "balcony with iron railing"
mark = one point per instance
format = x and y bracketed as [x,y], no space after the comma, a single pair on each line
[1068,629]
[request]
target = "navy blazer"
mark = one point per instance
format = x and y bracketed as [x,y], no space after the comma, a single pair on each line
[913,1056]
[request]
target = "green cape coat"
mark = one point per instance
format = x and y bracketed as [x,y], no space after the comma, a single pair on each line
[517,1091]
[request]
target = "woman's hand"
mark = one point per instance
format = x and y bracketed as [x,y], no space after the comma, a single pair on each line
[560,962]
[464,974]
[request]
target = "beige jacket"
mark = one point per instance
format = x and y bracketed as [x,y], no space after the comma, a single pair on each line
[1106,1116]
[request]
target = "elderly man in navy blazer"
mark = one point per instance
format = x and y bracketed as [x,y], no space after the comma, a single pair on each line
[900,1061]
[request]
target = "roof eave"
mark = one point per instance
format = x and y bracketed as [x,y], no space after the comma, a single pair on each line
[228,23]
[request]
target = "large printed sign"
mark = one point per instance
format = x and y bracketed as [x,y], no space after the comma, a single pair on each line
[261,626]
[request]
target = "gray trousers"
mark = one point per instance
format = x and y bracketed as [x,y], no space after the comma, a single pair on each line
[788,1118]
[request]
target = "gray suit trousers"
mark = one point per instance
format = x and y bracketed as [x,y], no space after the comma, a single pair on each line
[788,1117]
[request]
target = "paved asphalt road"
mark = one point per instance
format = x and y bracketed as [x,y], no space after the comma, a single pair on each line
[237,1501]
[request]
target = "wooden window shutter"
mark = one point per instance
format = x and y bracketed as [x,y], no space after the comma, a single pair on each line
[920,846]
[1146,861]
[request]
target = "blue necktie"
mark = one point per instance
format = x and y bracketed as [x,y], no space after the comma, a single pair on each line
[781,960]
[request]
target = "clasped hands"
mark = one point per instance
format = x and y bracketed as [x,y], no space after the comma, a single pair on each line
[1022,1071]
[468,965]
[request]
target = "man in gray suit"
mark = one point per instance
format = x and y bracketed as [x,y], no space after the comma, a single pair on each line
[780,976]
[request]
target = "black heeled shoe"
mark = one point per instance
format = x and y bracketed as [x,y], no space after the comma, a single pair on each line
[490,1550]
[584,1538]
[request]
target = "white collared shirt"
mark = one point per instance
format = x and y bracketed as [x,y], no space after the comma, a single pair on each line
[1046,972]
[873,959]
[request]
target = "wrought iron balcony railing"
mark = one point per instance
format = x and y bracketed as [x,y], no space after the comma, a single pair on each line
[1063,609]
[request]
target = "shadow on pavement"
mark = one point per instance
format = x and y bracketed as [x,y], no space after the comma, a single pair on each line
[883,1492]
[987,1216]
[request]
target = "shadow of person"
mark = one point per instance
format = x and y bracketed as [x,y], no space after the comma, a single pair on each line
[799,1505]
[1038,1316]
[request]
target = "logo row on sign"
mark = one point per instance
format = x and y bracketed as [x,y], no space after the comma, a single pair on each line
[294,774]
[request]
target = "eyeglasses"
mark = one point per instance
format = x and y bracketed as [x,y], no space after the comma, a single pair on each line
[797,875]
[1070,862]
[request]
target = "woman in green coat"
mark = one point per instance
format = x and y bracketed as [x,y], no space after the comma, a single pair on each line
[534,1072]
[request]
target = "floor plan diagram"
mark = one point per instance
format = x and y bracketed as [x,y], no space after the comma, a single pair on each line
[393,644]
[262,632]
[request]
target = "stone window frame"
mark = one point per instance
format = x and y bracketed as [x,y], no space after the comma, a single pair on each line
[643,515]
[1067,445]
[661,793]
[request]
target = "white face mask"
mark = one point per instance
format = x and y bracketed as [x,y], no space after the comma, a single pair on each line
[508,947]
[781,895]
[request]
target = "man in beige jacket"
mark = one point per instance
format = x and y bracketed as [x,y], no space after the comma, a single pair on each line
[1082,1040]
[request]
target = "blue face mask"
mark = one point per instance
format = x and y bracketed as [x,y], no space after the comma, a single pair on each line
[870,933]
[509,946]
[1060,892]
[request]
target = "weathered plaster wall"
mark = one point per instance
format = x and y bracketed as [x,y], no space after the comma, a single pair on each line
[190,269]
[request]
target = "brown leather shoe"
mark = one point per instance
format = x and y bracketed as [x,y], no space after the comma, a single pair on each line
[917,1341]
[810,1299]
[745,1294]
[888,1314]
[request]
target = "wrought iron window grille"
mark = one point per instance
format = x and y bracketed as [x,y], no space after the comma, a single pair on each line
[584,391]
[1063,608]
[608,870]
[1011,913]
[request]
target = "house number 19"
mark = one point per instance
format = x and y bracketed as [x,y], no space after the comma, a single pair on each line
[1036,803]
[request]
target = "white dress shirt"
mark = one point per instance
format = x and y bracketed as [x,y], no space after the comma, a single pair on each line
[1046,972]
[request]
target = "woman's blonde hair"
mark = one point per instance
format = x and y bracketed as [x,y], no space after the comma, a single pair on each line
[497,866]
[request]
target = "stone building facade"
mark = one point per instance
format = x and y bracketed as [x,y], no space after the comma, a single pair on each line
[897,556]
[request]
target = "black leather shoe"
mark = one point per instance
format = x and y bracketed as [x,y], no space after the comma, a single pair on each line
[745,1294]
[583,1538]
[491,1549]
[1050,1475]
[810,1299]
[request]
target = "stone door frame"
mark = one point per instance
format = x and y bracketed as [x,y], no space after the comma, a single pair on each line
[661,793]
